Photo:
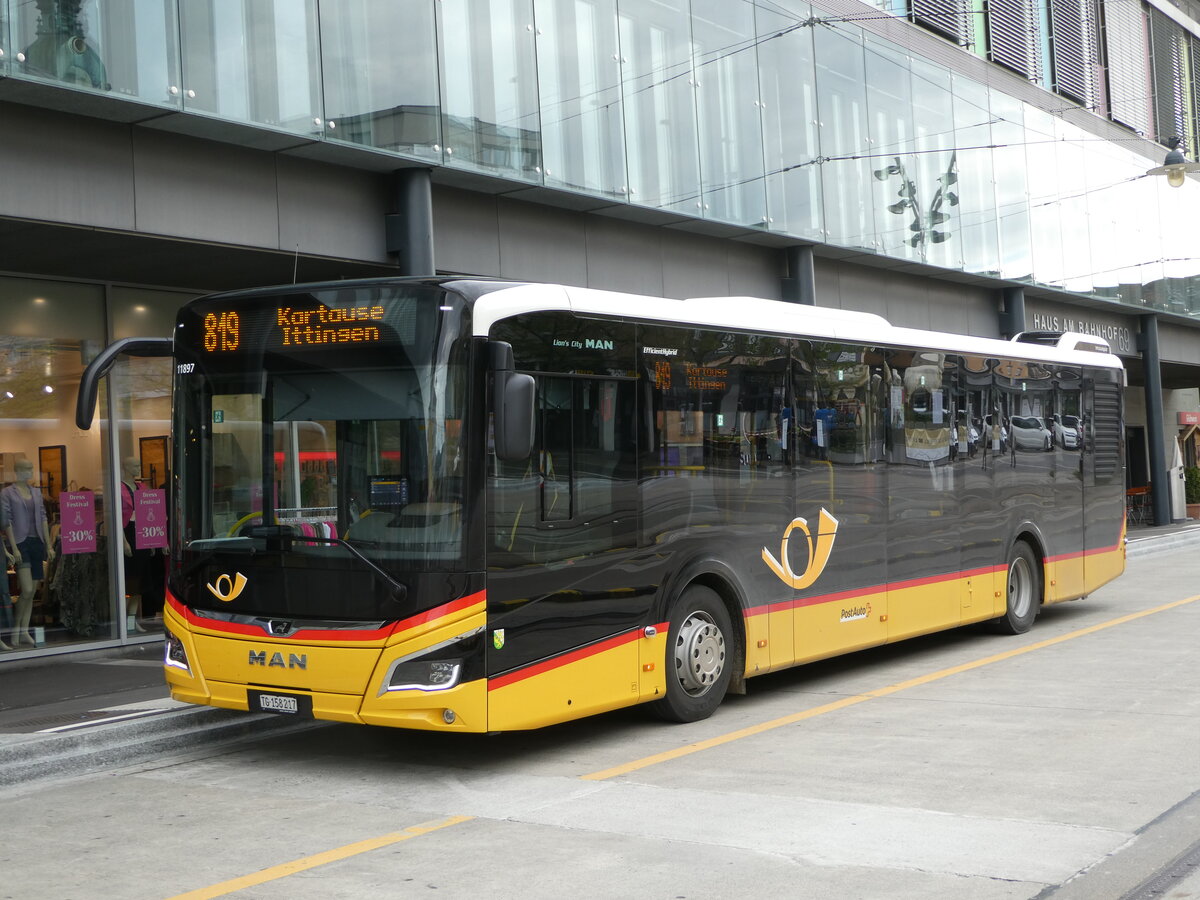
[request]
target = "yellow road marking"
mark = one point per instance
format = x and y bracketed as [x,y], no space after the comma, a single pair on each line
[318,859]
[855,699]
[339,853]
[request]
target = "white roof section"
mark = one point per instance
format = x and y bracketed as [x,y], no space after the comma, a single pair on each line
[776,317]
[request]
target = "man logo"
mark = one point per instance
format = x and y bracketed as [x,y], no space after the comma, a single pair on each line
[818,554]
[277,661]
[227,589]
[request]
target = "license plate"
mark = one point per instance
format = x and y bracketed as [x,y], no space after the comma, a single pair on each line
[282,704]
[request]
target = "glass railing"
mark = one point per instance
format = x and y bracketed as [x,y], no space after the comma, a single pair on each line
[755,115]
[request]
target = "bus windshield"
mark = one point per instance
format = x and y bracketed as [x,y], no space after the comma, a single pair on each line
[324,428]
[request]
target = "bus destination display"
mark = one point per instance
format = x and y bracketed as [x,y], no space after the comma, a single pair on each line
[310,325]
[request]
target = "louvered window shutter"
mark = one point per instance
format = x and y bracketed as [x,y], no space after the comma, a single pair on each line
[1128,55]
[1193,135]
[1167,58]
[1013,39]
[1073,49]
[949,18]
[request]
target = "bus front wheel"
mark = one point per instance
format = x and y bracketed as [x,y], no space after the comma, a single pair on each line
[700,656]
[1024,591]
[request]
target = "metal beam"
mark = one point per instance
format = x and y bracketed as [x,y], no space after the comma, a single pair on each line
[1160,494]
[800,285]
[1012,312]
[409,229]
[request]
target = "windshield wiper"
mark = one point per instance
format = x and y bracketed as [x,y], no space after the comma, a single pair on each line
[401,590]
[280,540]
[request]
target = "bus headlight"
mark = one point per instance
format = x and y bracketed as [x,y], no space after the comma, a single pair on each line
[425,675]
[174,655]
[437,668]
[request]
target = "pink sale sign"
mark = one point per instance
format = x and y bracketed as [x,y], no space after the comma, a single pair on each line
[150,518]
[78,515]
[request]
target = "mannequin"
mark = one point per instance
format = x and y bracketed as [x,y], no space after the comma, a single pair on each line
[28,544]
[136,561]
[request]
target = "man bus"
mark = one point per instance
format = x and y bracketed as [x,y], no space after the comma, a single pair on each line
[471,505]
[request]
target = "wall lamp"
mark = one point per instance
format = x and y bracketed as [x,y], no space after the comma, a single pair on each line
[1175,166]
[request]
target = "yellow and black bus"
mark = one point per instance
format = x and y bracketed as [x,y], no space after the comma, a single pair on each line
[471,505]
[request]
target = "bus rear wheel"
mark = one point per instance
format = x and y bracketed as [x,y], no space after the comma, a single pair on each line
[1024,591]
[699,656]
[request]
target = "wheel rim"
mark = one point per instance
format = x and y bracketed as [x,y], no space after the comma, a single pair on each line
[1020,587]
[699,653]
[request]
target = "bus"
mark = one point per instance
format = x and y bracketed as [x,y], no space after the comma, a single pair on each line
[473,505]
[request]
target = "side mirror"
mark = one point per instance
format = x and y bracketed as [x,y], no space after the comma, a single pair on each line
[89,384]
[514,397]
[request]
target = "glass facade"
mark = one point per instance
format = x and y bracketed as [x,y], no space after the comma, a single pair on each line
[767,116]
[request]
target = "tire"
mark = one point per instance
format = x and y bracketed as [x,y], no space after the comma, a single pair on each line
[700,657]
[1024,591]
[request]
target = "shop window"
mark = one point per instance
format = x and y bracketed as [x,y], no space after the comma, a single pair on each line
[51,329]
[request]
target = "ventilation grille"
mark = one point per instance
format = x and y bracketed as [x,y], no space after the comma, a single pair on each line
[1106,419]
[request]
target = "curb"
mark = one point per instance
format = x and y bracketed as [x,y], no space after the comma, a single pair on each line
[1166,543]
[26,758]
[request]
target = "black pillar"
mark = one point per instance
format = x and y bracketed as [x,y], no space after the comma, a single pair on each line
[800,286]
[1012,312]
[409,229]
[1160,489]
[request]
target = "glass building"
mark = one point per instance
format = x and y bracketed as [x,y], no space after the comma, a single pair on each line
[957,165]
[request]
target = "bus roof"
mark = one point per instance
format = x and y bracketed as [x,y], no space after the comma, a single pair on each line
[757,315]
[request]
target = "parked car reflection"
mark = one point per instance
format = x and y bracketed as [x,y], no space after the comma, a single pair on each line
[1068,431]
[1030,433]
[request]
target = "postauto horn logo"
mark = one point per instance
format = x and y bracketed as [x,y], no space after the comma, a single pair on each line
[818,552]
[228,589]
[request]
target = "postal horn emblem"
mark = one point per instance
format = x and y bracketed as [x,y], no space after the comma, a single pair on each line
[818,552]
[227,589]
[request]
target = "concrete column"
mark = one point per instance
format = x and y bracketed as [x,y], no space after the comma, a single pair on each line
[1012,312]
[800,286]
[409,230]
[1160,490]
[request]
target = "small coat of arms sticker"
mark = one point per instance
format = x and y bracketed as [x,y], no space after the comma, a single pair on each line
[498,638]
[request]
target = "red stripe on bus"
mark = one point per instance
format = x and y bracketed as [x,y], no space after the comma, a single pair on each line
[800,602]
[439,612]
[1084,553]
[785,605]
[319,634]
[560,661]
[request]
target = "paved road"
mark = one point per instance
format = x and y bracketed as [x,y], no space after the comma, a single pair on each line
[1062,763]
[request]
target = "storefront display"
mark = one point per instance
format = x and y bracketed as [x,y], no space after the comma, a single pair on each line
[81,569]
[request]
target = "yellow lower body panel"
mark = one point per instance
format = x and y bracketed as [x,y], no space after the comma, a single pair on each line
[570,688]
[840,625]
[1101,568]
[462,708]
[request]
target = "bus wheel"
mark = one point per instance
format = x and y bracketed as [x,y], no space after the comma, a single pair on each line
[1024,591]
[699,656]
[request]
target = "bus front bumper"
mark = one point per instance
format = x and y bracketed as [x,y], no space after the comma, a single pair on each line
[318,680]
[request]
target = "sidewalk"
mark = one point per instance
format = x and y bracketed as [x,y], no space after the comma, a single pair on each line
[66,713]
